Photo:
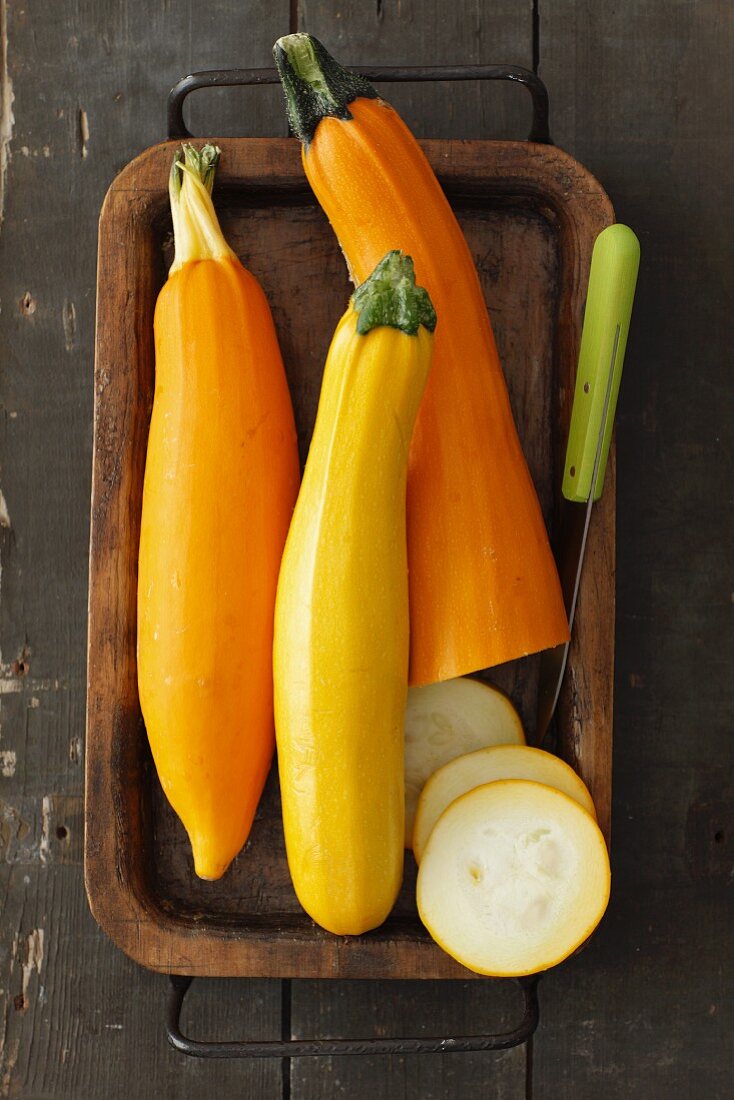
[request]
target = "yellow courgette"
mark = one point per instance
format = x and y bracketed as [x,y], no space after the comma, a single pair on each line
[341,617]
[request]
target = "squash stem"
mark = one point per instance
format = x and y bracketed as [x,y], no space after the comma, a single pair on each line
[196,230]
[389,296]
[315,85]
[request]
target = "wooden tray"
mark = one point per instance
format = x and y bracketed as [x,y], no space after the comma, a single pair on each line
[531,215]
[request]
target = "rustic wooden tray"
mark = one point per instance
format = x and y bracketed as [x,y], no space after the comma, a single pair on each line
[531,215]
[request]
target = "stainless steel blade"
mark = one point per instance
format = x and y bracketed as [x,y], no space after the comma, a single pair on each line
[572,540]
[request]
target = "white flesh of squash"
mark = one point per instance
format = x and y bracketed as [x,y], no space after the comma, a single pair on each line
[486,766]
[449,719]
[515,877]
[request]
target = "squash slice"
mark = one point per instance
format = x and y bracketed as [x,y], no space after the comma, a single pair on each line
[514,878]
[464,773]
[449,719]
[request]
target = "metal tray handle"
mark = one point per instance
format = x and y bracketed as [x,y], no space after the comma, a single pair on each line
[229,78]
[304,1048]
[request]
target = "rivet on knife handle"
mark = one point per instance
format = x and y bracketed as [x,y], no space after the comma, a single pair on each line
[614,264]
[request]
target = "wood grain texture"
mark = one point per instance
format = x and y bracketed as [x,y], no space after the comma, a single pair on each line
[642,95]
[428,32]
[407,1008]
[84,91]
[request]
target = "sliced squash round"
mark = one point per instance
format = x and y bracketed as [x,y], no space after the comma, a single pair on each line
[486,766]
[515,876]
[446,720]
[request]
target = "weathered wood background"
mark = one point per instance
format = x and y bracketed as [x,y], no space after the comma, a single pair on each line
[640,93]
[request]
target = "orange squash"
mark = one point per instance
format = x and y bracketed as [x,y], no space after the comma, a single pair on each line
[483,583]
[221,479]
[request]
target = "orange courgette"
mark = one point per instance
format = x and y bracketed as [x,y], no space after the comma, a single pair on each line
[483,584]
[221,478]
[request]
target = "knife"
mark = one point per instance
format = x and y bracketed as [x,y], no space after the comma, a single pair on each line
[612,278]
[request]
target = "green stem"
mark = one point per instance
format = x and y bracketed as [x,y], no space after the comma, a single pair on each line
[315,85]
[196,230]
[390,297]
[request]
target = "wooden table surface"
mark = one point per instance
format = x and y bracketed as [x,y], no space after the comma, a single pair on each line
[641,94]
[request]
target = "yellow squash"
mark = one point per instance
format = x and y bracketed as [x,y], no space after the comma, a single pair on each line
[341,618]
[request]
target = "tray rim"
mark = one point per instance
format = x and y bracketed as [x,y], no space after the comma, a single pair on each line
[150,935]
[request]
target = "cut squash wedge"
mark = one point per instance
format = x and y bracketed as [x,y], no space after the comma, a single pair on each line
[464,773]
[515,877]
[446,720]
[483,584]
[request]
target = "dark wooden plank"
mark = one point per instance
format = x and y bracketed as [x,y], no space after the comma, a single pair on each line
[84,91]
[642,95]
[77,1024]
[408,32]
[407,1009]
[415,32]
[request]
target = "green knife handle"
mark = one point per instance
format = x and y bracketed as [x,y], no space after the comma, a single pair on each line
[612,279]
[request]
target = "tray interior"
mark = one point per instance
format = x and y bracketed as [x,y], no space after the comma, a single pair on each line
[287,243]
